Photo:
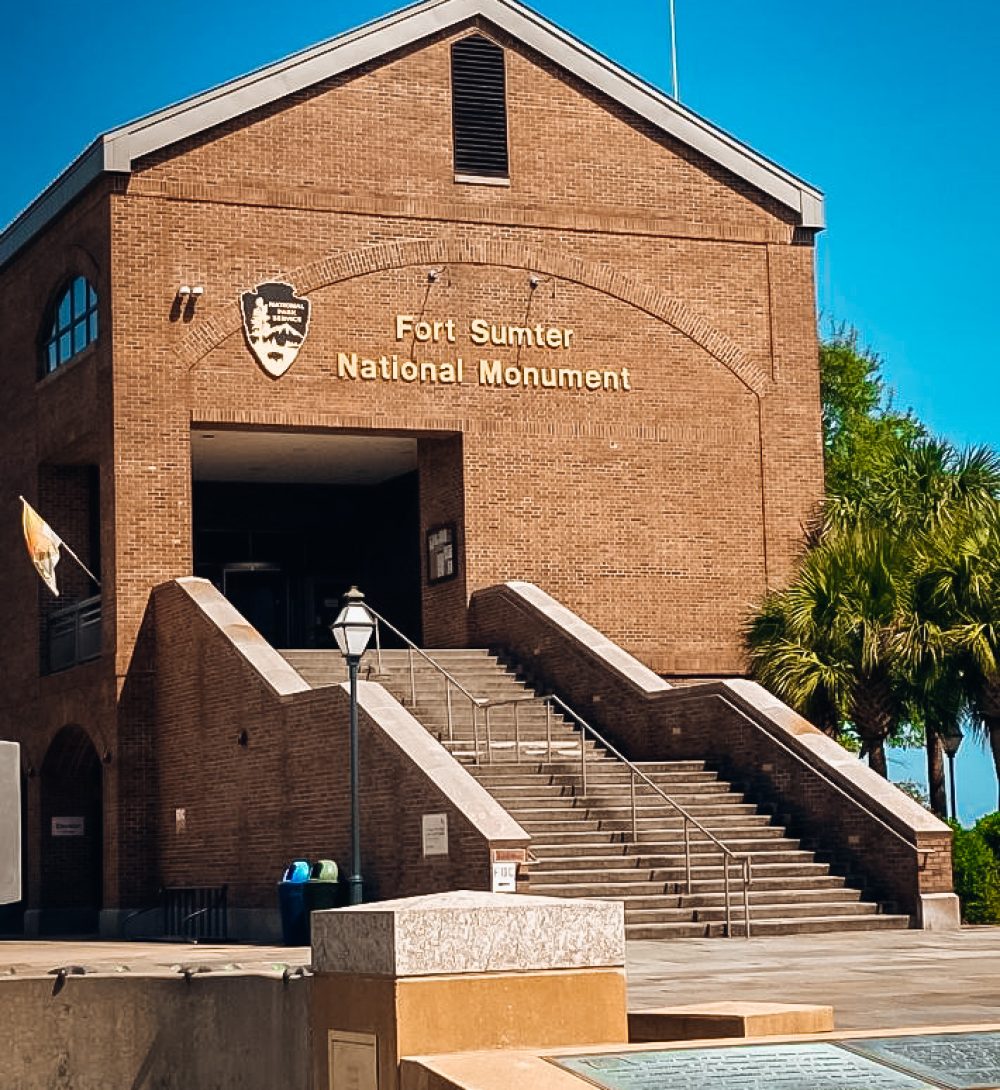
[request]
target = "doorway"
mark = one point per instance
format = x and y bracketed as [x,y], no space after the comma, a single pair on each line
[72,835]
[284,523]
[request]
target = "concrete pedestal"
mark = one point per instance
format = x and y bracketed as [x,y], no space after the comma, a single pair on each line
[461,971]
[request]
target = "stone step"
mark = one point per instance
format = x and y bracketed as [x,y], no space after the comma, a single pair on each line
[705,811]
[694,901]
[696,805]
[674,931]
[765,877]
[760,928]
[737,838]
[606,770]
[676,789]
[597,860]
[601,889]
[649,839]
[759,911]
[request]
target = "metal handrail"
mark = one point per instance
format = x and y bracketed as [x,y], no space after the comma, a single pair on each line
[818,771]
[475,702]
[486,705]
[743,861]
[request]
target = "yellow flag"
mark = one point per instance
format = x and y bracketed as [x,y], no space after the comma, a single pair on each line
[43,545]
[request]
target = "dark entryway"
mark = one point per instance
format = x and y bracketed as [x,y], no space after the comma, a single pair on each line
[72,835]
[283,554]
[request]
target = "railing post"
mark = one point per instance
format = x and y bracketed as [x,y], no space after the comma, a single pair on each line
[489,740]
[413,679]
[725,887]
[635,820]
[447,700]
[517,736]
[747,879]
[583,759]
[687,853]
[548,729]
[475,730]
[378,645]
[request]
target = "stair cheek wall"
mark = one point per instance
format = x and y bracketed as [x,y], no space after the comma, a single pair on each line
[248,809]
[649,720]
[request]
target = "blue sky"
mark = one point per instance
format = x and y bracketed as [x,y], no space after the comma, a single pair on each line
[890,107]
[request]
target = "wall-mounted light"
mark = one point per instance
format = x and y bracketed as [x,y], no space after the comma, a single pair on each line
[184,291]
[433,275]
[198,289]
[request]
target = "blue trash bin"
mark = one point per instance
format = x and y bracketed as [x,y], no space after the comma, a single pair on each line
[292,903]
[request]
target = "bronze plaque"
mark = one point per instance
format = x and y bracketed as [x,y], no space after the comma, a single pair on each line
[960,1061]
[818,1066]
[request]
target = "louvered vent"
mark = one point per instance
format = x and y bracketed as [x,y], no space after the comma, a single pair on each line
[479,108]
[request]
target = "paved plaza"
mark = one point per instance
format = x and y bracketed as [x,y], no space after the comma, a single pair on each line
[888,979]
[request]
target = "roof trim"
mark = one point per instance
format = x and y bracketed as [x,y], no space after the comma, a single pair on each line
[116,151]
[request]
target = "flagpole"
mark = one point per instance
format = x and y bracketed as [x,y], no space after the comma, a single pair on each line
[63,545]
[673,51]
[93,577]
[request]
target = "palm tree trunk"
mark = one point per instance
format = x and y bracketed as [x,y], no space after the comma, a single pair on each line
[876,758]
[874,721]
[935,771]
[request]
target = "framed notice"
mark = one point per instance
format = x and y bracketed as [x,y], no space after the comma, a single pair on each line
[435,834]
[69,826]
[441,553]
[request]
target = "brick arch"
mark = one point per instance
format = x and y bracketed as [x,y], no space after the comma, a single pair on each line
[385,256]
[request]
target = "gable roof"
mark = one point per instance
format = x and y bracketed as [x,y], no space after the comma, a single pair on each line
[117,150]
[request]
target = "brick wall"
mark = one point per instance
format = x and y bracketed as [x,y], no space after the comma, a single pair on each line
[249,809]
[659,514]
[688,485]
[869,827]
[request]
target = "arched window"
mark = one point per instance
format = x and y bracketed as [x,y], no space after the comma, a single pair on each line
[74,325]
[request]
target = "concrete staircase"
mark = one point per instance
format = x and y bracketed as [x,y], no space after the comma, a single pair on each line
[582,842]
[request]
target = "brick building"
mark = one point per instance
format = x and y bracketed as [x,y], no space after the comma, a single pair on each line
[447,301]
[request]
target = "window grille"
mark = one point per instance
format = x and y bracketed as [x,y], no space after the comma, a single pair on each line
[479,108]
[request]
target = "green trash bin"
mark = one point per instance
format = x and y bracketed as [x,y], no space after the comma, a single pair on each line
[322,890]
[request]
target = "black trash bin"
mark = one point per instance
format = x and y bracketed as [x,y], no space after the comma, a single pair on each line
[292,902]
[323,890]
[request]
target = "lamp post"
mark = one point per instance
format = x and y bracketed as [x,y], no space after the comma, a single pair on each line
[352,630]
[950,743]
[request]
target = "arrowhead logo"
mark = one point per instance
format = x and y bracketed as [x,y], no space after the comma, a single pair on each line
[276,322]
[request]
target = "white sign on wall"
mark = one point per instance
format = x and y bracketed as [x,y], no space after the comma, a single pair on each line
[10,822]
[435,834]
[68,826]
[504,878]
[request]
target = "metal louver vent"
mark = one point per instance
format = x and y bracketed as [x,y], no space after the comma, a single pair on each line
[479,108]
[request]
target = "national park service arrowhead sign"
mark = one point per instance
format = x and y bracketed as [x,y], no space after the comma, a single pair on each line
[276,322]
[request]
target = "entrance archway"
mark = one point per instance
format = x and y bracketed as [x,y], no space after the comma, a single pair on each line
[286,521]
[72,835]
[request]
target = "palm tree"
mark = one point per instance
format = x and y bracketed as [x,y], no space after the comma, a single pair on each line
[960,586]
[828,643]
[925,489]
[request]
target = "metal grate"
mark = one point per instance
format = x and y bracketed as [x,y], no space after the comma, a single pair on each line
[479,108]
[195,913]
